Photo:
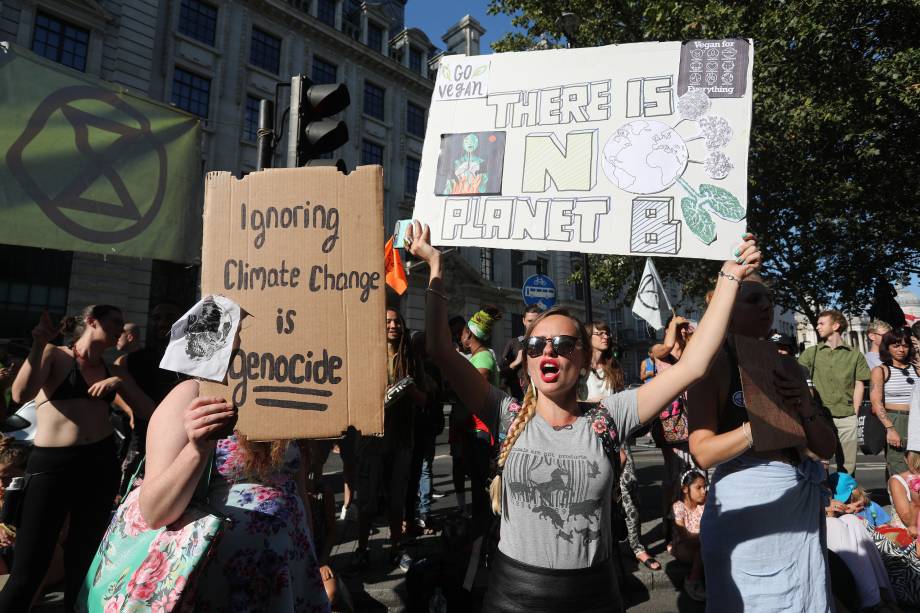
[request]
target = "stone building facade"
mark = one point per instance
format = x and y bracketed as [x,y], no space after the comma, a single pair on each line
[216,59]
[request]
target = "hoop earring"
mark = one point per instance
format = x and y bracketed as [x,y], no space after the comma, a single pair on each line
[533,389]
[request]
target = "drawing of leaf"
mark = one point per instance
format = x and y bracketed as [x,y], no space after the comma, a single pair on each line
[698,220]
[480,70]
[445,72]
[722,202]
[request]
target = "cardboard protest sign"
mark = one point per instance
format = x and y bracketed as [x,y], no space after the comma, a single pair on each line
[624,149]
[299,249]
[774,424]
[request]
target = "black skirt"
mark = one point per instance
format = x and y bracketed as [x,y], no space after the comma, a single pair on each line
[518,587]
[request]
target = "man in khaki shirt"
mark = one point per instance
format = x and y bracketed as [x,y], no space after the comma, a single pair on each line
[839,373]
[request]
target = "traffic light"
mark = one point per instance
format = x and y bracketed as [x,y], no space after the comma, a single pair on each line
[311,133]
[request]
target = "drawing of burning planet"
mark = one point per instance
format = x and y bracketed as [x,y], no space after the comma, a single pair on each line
[645,157]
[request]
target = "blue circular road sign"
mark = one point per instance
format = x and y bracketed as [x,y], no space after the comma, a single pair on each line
[539,290]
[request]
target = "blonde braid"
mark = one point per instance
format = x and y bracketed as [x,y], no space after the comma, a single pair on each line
[528,409]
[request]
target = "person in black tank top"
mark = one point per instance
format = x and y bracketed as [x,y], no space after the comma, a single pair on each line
[74,386]
[77,480]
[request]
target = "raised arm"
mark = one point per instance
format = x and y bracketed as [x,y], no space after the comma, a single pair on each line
[662,349]
[471,387]
[709,336]
[35,370]
[181,436]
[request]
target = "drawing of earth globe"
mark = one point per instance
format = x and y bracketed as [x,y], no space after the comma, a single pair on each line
[644,157]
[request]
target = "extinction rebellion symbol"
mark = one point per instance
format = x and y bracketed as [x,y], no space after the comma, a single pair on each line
[133,145]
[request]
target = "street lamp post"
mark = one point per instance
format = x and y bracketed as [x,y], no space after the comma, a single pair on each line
[569,23]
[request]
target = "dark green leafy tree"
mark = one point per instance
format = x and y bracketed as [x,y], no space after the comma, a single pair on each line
[834,166]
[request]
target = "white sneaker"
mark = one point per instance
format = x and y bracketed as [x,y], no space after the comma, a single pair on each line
[695,590]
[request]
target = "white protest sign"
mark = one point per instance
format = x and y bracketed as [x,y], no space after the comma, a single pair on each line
[625,149]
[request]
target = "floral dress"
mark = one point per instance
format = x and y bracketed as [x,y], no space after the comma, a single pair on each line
[266,561]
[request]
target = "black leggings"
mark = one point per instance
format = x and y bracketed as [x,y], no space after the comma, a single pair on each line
[80,481]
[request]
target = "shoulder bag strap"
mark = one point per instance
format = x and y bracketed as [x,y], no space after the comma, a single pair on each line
[201,490]
[204,482]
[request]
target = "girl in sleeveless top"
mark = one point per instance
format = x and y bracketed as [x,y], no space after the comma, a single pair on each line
[556,466]
[265,560]
[761,530]
[890,388]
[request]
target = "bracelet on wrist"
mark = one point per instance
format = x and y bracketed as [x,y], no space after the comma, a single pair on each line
[746,429]
[730,277]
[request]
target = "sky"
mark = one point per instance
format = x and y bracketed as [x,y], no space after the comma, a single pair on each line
[434,18]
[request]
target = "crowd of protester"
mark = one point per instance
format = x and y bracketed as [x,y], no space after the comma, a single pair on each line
[543,432]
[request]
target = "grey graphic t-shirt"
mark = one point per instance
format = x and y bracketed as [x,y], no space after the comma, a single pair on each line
[556,487]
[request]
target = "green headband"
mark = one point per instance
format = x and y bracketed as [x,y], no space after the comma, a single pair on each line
[480,325]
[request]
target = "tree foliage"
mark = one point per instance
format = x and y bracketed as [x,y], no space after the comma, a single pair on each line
[833,166]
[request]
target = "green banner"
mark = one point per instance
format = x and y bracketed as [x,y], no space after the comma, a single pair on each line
[88,166]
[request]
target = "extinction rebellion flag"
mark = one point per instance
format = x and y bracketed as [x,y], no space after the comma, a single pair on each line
[89,166]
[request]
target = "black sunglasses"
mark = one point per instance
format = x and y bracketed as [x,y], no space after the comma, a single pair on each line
[563,345]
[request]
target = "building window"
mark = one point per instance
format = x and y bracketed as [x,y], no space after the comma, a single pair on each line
[517,268]
[191,92]
[60,41]
[577,287]
[542,265]
[198,20]
[324,72]
[371,153]
[374,36]
[373,100]
[32,280]
[415,60]
[325,12]
[616,318]
[642,329]
[251,119]
[265,51]
[485,263]
[415,120]
[412,168]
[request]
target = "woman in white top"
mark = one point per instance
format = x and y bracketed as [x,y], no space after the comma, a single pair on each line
[605,375]
[890,388]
